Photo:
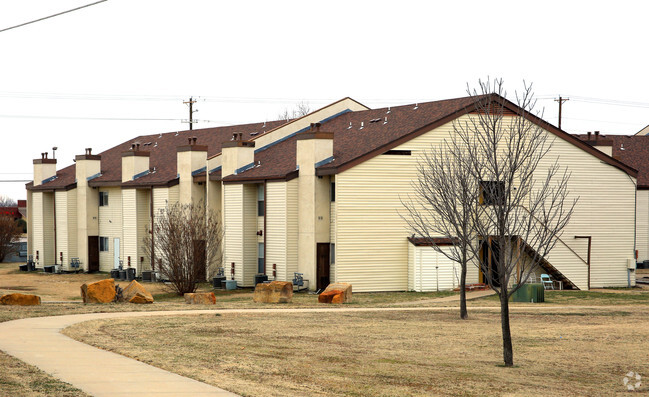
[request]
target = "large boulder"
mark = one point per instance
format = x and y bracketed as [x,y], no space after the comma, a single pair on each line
[274,292]
[336,293]
[136,293]
[102,291]
[200,298]
[20,300]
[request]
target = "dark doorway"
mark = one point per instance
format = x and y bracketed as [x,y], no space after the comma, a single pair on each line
[93,254]
[491,258]
[200,260]
[322,265]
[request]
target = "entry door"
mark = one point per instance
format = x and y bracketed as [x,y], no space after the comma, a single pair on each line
[93,254]
[491,257]
[322,265]
[116,253]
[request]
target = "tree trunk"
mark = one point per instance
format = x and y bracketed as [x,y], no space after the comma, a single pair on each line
[463,312]
[508,351]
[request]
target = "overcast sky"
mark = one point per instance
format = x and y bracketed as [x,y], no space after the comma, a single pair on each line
[107,73]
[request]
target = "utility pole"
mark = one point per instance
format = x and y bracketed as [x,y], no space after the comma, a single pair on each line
[561,101]
[191,112]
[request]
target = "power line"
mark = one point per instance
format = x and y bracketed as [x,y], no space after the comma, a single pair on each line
[52,16]
[22,116]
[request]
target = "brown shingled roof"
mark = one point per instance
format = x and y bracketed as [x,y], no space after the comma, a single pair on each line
[355,145]
[163,155]
[278,161]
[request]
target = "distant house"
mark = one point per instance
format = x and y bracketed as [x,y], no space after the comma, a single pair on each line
[319,195]
[17,213]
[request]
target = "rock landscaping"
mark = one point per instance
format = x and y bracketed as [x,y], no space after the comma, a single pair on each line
[102,291]
[336,293]
[274,292]
[136,293]
[202,298]
[20,300]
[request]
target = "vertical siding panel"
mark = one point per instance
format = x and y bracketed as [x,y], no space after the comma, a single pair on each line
[276,229]
[250,239]
[642,229]
[233,219]
[143,221]
[47,257]
[129,226]
[73,243]
[291,228]
[110,226]
[62,228]
[332,238]
[372,250]
[36,216]
[30,223]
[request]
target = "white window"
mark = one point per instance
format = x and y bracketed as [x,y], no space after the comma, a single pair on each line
[103,199]
[103,243]
[261,208]
[260,259]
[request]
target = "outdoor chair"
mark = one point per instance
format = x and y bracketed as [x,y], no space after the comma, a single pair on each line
[299,283]
[547,281]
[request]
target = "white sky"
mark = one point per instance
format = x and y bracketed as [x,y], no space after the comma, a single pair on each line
[249,60]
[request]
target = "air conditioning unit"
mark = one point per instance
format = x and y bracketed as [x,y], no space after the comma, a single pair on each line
[630,264]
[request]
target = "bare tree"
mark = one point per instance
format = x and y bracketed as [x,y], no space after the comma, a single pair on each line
[440,209]
[187,242]
[6,201]
[9,233]
[524,204]
[301,109]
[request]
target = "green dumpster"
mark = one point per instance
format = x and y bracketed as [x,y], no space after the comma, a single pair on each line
[529,293]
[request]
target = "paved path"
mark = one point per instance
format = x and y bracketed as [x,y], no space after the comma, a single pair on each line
[38,341]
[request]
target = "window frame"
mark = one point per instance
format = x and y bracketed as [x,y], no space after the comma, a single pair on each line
[490,195]
[261,200]
[104,244]
[103,199]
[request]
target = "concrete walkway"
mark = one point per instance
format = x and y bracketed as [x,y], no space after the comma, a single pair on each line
[39,342]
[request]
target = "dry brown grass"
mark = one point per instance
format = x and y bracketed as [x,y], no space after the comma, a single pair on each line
[561,352]
[18,379]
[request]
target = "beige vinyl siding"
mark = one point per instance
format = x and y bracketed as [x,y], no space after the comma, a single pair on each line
[276,229]
[66,226]
[432,271]
[291,228]
[240,231]
[110,226]
[642,228]
[73,243]
[429,270]
[332,238]
[129,227]
[250,238]
[43,215]
[36,217]
[143,224]
[160,202]
[605,211]
[62,229]
[174,194]
[372,251]
[233,222]
[160,199]
[30,224]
